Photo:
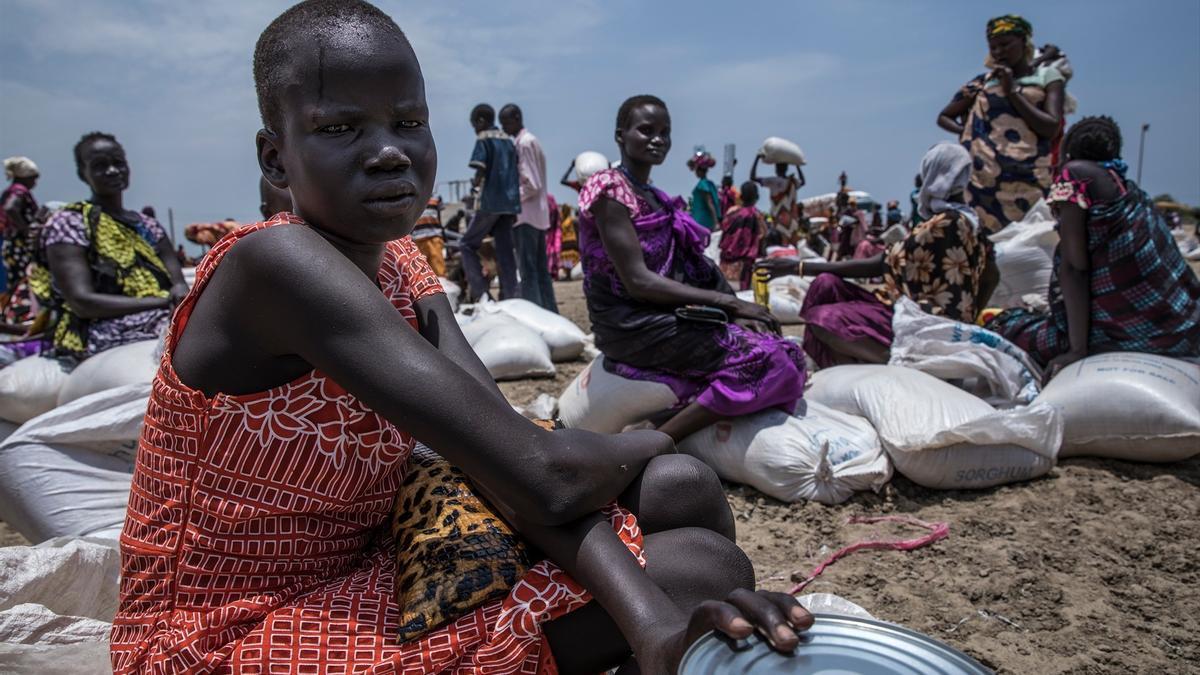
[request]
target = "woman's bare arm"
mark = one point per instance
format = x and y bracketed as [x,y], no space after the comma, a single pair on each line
[338,322]
[1074,275]
[864,268]
[620,241]
[566,178]
[16,215]
[1045,123]
[73,276]
[952,116]
[437,325]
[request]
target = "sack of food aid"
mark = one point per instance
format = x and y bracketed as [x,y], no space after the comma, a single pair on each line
[561,335]
[1137,407]
[818,453]
[507,348]
[133,363]
[598,400]
[30,387]
[776,150]
[67,472]
[453,292]
[43,629]
[953,350]
[588,164]
[1025,257]
[786,297]
[939,436]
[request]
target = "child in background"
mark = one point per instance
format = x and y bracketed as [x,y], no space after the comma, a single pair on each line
[312,354]
[872,244]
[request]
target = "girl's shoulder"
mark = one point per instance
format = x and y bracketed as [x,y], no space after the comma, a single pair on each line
[66,226]
[610,183]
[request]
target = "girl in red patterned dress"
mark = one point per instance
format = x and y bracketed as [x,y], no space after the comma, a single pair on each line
[313,352]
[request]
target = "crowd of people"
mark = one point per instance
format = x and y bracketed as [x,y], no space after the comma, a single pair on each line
[288,405]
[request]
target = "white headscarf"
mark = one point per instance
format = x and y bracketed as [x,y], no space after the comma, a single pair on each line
[19,167]
[945,171]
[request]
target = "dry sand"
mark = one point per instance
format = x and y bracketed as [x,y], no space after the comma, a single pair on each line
[1092,569]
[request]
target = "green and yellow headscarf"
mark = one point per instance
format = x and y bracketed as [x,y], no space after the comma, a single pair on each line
[1009,24]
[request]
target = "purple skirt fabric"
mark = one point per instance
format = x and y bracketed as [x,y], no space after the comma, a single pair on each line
[846,310]
[730,370]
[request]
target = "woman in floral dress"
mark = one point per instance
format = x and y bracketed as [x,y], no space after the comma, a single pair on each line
[939,265]
[1010,119]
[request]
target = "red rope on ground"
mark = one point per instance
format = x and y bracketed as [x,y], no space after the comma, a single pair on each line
[937,531]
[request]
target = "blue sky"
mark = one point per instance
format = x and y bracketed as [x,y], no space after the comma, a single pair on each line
[857,83]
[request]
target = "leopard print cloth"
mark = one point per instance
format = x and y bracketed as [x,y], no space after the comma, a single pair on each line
[453,552]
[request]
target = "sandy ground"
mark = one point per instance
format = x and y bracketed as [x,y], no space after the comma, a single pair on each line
[1091,569]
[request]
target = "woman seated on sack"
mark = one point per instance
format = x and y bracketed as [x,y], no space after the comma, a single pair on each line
[314,352]
[643,259]
[1120,282]
[109,274]
[939,265]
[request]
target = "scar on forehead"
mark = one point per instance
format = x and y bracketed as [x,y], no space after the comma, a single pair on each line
[320,70]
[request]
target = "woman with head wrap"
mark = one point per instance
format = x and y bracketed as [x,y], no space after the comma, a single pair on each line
[939,265]
[706,200]
[1010,120]
[19,216]
[1120,282]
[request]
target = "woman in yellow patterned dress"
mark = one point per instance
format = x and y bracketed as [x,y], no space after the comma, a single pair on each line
[109,274]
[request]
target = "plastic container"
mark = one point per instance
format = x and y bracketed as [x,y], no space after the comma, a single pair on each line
[834,644]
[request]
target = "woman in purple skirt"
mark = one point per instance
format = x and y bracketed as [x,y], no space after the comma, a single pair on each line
[643,258]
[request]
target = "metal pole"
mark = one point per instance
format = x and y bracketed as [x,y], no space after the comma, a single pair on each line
[171,220]
[1141,151]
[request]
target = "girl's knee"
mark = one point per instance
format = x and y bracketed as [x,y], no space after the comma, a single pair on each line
[682,491]
[683,474]
[701,560]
